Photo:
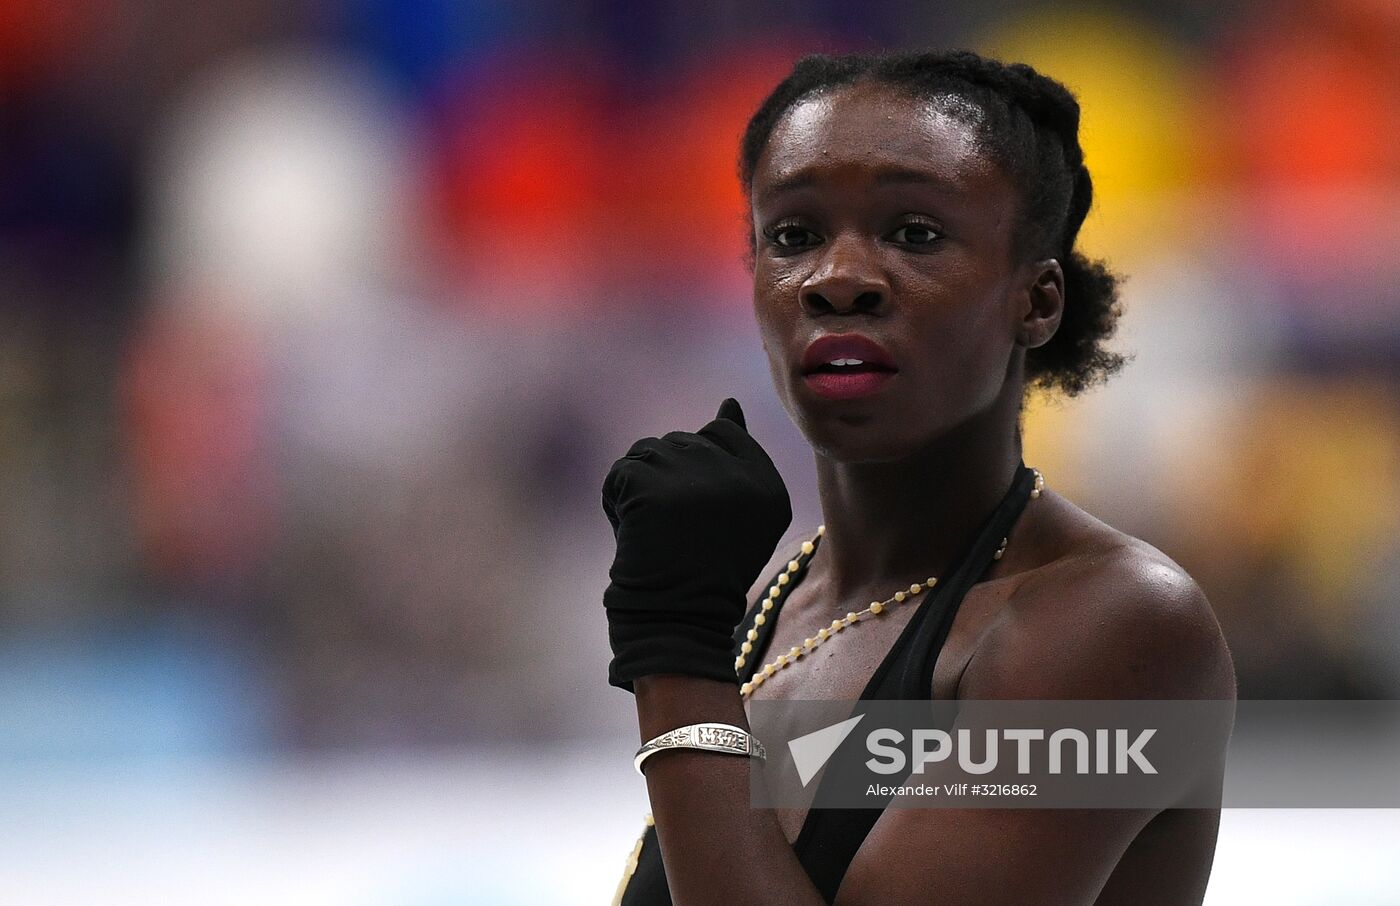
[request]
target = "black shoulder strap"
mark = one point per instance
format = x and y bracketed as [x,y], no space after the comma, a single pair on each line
[912,676]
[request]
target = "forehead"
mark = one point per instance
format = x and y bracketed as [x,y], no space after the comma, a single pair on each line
[866,129]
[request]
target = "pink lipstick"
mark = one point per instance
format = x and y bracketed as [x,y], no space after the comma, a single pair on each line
[846,366]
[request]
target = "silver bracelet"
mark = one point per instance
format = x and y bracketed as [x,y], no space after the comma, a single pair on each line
[725,738]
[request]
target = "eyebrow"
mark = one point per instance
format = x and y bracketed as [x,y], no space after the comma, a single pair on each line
[884,176]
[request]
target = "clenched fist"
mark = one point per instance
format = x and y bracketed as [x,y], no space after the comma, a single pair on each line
[696,517]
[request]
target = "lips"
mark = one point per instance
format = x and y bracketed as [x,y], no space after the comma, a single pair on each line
[845,366]
[834,347]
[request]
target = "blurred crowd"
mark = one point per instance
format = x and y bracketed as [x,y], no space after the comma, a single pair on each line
[320,324]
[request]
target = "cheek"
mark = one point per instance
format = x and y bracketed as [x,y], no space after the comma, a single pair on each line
[778,278]
[967,341]
[775,294]
[776,313]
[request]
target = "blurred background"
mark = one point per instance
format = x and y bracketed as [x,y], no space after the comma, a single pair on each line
[320,324]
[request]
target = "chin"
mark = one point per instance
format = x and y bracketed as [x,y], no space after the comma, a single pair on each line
[855,438]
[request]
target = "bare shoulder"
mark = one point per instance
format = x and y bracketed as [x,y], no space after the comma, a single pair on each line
[1110,617]
[1088,612]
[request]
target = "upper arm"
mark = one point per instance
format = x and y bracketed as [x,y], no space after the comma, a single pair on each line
[972,857]
[1125,628]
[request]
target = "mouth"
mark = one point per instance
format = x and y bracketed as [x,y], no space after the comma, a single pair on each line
[846,366]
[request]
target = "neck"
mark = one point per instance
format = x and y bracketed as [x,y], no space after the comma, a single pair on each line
[893,523]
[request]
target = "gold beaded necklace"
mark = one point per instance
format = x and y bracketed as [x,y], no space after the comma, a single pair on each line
[828,632]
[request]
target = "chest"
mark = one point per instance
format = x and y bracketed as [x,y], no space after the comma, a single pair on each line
[842,666]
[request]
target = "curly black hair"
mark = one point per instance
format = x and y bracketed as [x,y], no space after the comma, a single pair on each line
[1027,123]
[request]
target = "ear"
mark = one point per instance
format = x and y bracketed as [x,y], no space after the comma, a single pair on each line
[1044,303]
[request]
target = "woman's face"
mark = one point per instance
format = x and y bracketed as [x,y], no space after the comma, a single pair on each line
[875,215]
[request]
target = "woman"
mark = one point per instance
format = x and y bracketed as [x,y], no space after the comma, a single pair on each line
[915,272]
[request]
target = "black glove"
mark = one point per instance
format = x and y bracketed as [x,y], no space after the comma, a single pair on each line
[696,517]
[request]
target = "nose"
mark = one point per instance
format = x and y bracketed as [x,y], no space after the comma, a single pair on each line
[846,279]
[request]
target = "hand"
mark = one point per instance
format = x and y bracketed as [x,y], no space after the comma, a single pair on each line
[696,517]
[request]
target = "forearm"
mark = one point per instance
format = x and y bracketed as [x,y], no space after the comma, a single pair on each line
[715,846]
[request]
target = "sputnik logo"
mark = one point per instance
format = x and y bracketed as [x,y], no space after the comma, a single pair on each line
[811,751]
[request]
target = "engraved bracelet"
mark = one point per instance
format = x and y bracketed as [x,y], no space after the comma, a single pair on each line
[725,738]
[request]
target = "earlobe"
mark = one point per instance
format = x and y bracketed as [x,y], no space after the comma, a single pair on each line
[1047,302]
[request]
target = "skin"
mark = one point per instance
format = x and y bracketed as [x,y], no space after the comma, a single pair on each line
[1075,609]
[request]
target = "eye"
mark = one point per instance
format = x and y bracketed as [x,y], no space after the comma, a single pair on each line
[915,234]
[792,236]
